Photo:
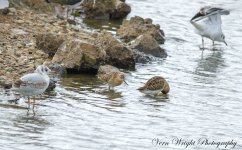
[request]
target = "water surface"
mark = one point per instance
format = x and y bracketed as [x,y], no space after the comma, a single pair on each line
[204,102]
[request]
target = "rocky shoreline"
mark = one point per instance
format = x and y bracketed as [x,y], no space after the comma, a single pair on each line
[29,38]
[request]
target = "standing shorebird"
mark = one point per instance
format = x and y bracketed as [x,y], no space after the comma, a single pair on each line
[155,86]
[207,23]
[33,84]
[111,75]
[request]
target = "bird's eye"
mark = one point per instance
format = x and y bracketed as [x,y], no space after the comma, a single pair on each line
[46,70]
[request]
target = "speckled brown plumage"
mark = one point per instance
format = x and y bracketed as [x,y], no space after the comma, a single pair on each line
[110,75]
[155,84]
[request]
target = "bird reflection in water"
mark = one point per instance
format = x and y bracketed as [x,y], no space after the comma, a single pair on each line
[208,66]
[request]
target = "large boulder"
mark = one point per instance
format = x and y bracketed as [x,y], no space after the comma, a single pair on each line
[147,44]
[118,54]
[79,55]
[105,9]
[141,57]
[136,26]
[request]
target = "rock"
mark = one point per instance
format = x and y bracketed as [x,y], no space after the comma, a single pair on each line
[73,22]
[12,11]
[19,21]
[106,9]
[1,60]
[105,69]
[79,55]
[147,44]
[52,85]
[118,54]
[17,31]
[141,57]
[49,43]
[57,68]
[5,82]
[5,11]
[136,26]
[65,2]
[40,5]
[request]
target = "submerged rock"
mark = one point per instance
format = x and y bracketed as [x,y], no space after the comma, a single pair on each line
[105,9]
[147,44]
[136,26]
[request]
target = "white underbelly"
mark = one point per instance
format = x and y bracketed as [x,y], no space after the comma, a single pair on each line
[207,30]
[32,90]
[152,92]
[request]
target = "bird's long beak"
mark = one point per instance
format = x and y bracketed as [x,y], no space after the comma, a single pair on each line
[125,82]
[225,43]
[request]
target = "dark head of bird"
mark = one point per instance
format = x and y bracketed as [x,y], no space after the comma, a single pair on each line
[199,14]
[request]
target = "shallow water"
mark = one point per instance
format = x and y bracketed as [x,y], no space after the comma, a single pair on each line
[204,101]
[4,4]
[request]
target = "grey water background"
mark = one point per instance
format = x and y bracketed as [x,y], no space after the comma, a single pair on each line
[204,102]
[4,4]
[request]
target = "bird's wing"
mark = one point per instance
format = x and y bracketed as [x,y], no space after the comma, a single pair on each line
[214,10]
[212,20]
[155,83]
[207,11]
[33,77]
[105,77]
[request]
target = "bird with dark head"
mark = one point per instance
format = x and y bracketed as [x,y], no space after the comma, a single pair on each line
[207,23]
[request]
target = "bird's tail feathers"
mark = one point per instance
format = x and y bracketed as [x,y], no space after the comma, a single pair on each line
[141,88]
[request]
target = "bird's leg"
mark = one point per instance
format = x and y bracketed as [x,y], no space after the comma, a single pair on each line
[203,42]
[28,103]
[109,88]
[213,44]
[28,106]
[34,103]
[67,13]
